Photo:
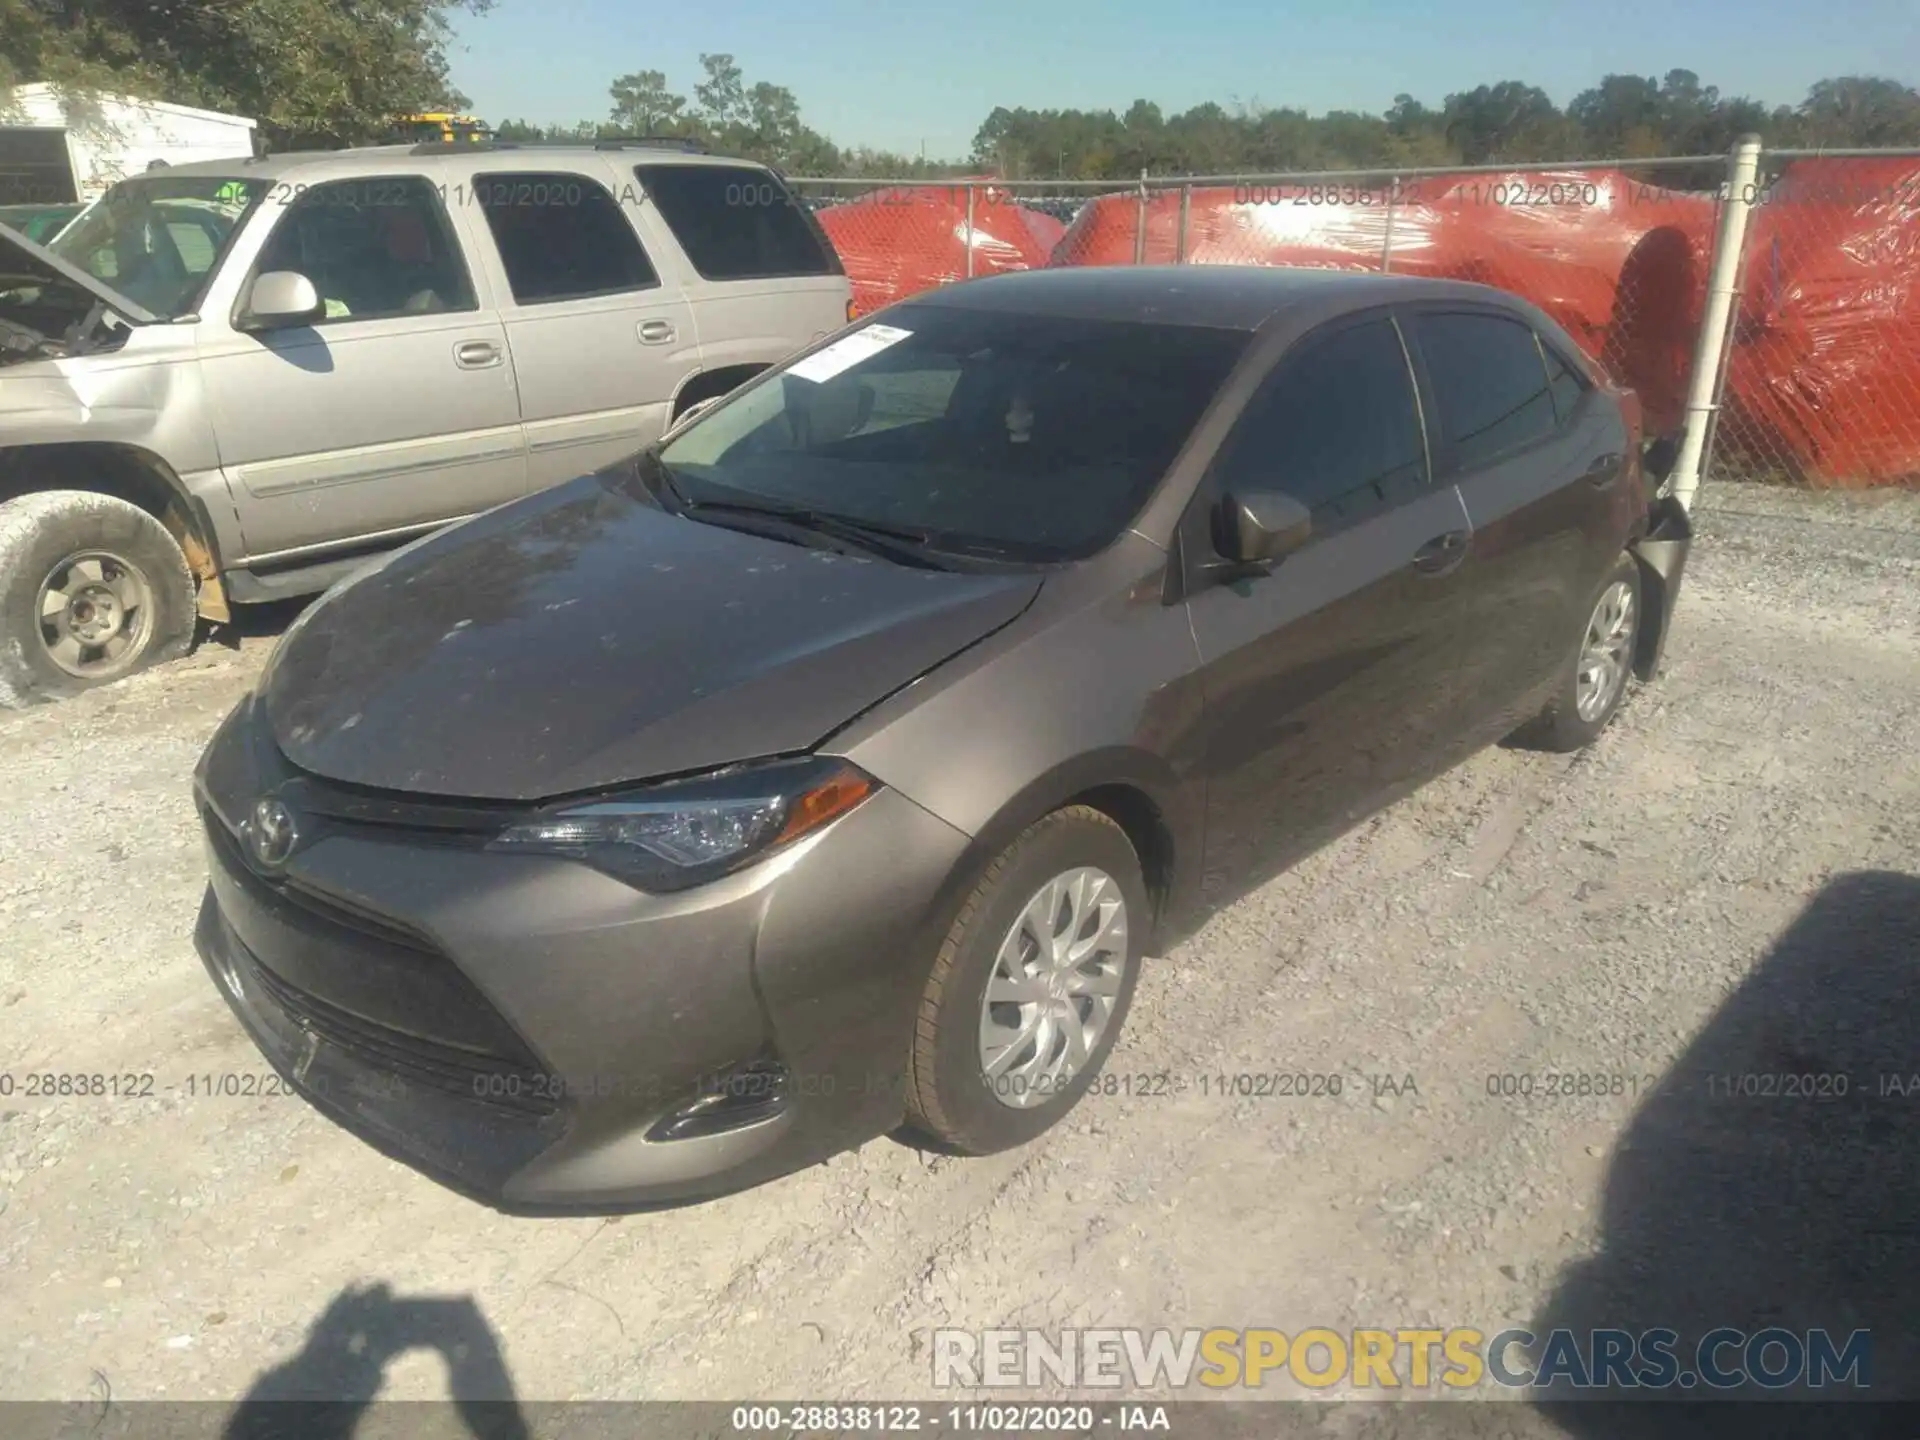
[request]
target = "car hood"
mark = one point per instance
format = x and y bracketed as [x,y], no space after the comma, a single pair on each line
[24,263]
[583,638]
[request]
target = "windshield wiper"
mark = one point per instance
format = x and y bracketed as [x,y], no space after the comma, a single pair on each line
[658,476]
[908,544]
[909,547]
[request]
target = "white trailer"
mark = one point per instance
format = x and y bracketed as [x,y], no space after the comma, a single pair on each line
[59,146]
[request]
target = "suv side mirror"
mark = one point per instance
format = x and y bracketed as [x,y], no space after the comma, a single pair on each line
[281,298]
[1258,527]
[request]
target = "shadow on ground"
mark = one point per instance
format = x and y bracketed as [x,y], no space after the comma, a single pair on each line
[325,1390]
[1775,1208]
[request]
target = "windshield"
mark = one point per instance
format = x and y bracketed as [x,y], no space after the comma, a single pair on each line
[1039,435]
[156,239]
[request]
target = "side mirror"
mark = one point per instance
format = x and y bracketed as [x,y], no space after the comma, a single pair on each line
[1258,527]
[281,298]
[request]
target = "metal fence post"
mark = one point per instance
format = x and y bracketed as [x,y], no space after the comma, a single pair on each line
[1386,241]
[1140,226]
[969,230]
[1186,210]
[1716,324]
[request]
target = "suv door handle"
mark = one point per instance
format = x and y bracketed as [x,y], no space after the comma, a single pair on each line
[476,354]
[1443,553]
[655,332]
[1605,470]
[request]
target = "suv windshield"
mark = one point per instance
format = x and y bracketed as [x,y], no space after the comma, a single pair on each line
[156,239]
[1039,435]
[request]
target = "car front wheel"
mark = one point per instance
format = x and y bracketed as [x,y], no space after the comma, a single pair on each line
[1031,986]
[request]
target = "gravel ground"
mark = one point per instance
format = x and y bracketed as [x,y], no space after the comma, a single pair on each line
[1725,884]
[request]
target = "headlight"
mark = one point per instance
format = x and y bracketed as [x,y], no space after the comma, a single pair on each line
[686,832]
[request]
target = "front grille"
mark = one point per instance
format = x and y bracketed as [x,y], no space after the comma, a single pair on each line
[331,908]
[391,996]
[493,1080]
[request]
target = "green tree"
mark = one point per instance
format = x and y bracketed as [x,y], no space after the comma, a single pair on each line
[643,105]
[312,72]
[1860,110]
[722,96]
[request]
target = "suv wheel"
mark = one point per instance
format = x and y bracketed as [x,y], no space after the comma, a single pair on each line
[1594,679]
[1031,986]
[91,590]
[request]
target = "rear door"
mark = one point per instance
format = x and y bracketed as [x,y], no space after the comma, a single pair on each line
[1540,457]
[597,319]
[767,279]
[1330,678]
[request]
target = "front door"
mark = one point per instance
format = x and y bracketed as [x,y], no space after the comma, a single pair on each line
[395,410]
[1329,678]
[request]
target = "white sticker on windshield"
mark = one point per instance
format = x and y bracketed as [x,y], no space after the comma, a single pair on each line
[845,354]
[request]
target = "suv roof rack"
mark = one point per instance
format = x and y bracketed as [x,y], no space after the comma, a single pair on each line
[613,142]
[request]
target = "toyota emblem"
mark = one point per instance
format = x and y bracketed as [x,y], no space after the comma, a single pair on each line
[272,833]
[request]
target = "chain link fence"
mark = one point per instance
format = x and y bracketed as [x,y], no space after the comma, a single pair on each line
[1815,368]
[1821,372]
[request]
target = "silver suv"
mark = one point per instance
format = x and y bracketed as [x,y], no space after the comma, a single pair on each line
[232,381]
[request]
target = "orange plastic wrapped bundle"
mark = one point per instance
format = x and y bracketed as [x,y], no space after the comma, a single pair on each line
[1824,380]
[1622,269]
[902,240]
[1621,262]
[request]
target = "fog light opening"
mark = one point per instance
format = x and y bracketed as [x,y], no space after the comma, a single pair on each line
[732,1099]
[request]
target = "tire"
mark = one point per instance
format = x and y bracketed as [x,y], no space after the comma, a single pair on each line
[1582,708]
[950,1095]
[130,597]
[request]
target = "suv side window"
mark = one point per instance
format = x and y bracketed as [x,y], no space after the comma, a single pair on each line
[1490,383]
[561,237]
[374,248]
[1337,427]
[737,223]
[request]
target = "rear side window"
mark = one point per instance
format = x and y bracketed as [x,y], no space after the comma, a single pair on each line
[1566,383]
[1490,382]
[1337,427]
[561,236]
[737,223]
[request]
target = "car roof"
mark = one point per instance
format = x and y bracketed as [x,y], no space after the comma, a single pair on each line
[423,158]
[1223,297]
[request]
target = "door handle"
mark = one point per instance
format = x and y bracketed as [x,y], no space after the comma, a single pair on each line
[476,354]
[1443,553]
[1605,470]
[655,332]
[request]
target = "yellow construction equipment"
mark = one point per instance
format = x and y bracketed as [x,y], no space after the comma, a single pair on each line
[442,125]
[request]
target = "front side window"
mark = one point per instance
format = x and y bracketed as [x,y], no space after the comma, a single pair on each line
[737,222]
[561,236]
[1337,427]
[157,240]
[373,248]
[1039,436]
[1490,383]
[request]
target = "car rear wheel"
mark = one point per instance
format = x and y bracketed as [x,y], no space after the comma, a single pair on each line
[1031,986]
[91,590]
[1594,679]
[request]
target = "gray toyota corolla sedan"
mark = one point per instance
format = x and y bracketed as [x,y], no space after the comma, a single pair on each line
[836,761]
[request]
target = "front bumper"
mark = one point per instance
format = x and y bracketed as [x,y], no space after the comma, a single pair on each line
[522,1028]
